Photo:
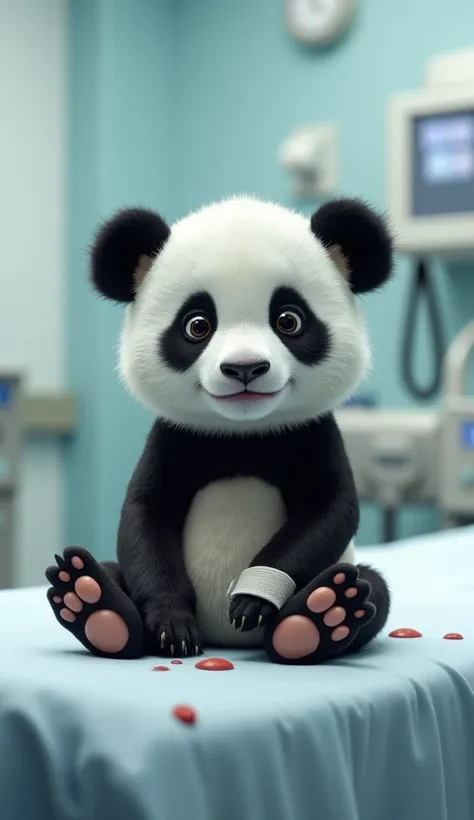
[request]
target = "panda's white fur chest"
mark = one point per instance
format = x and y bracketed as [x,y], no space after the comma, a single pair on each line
[228,523]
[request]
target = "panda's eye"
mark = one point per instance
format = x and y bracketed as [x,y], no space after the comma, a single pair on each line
[197,327]
[290,321]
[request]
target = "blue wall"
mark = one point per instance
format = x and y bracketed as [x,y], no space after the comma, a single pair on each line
[175,104]
[120,138]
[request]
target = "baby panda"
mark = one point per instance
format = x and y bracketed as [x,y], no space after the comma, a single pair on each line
[243,333]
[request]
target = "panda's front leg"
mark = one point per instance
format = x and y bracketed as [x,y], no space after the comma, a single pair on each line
[151,559]
[293,558]
[285,566]
[340,609]
[312,540]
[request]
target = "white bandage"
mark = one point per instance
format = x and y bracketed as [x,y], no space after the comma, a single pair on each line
[272,585]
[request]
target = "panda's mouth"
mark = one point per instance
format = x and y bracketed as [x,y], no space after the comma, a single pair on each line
[245,395]
[248,395]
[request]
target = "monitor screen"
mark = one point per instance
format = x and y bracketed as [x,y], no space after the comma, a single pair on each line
[5,393]
[443,164]
[467,435]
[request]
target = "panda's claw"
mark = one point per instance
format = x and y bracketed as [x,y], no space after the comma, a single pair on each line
[172,633]
[60,561]
[247,612]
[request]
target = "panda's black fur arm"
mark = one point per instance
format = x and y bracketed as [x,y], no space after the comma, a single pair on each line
[322,508]
[150,547]
[308,465]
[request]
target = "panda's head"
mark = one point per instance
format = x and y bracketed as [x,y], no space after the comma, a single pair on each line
[243,317]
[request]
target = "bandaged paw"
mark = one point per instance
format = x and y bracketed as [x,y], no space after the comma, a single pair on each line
[267,583]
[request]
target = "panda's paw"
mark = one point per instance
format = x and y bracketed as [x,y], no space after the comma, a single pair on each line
[322,620]
[246,612]
[88,602]
[174,633]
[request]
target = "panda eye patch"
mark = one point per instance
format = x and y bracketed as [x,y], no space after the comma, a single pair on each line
[197,327]
[290,321]
[192,328]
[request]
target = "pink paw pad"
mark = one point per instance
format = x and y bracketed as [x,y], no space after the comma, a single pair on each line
[67,615]
[73,602]
[107,631]
[321,599]
[351,592]
[339,578]
[335,616]
[64,576]
[88,590]
[340,633]
[359,613]
[77,562]
[296,637]
[57,599]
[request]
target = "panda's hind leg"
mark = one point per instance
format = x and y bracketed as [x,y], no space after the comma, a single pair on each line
[339,612]
[90,601]
[379,596]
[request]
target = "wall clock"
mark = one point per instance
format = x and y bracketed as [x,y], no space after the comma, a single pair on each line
[319,22]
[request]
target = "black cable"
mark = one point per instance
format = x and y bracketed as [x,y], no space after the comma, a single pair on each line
[422,286]
[389,516]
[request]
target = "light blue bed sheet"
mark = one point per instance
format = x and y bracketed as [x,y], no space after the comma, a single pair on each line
[386,735]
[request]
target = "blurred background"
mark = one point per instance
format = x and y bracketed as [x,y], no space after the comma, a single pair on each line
[171,104]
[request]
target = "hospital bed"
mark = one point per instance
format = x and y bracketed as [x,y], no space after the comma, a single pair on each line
[384,735]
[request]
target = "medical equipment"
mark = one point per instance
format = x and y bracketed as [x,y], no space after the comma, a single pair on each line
[413,457]
[23,414]
[456,474]
[431,161]
[394,456]
[10,431]
[431,189]
[422,287]
[404,457]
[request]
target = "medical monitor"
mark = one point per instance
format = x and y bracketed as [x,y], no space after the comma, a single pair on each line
[431,171]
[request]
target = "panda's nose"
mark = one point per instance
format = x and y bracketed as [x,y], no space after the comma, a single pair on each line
[245,373]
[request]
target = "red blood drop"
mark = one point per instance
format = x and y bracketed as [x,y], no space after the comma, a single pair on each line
[176,661]
[453,636]
[215,664]
[186,714]
[161,669]
[405,633]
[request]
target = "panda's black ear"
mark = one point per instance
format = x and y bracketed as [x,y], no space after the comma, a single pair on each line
[358,240]
[123,251]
